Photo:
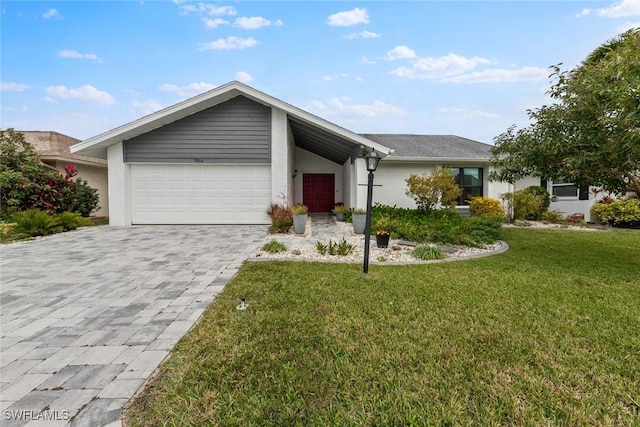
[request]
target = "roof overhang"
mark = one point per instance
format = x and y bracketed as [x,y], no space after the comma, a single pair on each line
[407,159]
[311,132]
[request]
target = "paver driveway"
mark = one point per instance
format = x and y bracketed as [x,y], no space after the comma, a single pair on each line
[87,316]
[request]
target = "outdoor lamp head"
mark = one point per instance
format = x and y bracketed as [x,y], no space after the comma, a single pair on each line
[372,159]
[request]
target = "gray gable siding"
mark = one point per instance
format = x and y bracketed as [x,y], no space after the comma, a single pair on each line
[235,131]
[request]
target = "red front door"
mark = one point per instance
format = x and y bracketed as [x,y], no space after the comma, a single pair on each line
[317,191]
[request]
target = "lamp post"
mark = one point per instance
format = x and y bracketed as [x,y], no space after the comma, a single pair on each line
[372,160]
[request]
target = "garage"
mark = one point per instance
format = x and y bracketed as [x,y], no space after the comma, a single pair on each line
[222,157]
[200,194]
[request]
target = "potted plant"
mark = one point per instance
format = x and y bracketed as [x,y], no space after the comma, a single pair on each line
[340,210]
[300,213]
[383,227]
[554,198]
[359,219]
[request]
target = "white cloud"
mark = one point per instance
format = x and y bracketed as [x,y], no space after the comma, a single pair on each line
[143,108]
[52,14]
[243,77]
[465,113]
[497,75]
[436,68]
[348,18]
[13,87]
[333,77]
[206,9]
[22,109]
[367,61]
[400,52]
[229,43]
[189,90]
[617,10]
[255,22]
[363,35]
[84,93]
[214,22]
[337,107]
[74,54]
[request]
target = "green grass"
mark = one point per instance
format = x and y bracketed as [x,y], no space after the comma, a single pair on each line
[545,334]
[274,247]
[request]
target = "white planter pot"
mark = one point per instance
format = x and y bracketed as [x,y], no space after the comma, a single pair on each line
[359,223]
[300,223]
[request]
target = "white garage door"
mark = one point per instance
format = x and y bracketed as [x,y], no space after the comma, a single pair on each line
[200,194]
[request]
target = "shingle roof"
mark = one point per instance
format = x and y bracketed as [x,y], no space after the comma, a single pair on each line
[432,146]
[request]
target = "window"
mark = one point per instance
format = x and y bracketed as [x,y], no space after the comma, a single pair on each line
[470,181]
[561,188]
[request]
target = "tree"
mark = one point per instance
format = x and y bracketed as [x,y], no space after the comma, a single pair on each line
[25,183]
[591,134]
[430,190]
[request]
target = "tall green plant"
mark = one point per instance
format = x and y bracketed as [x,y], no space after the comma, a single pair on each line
[34,222]
[27,184]
[430,191]
[528,203]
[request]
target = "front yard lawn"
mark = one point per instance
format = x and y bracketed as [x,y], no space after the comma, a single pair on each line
[546,334]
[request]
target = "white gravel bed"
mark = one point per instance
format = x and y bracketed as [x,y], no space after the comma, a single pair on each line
[303,248]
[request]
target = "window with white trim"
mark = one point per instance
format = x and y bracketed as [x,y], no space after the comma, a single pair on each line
[562,188]
[569,190]
[471,183]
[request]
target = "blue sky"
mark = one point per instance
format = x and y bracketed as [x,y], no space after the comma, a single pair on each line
[426,67]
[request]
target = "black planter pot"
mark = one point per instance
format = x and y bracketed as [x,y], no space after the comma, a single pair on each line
[382,240]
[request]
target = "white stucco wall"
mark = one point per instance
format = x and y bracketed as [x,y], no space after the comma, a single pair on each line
[280,174]
[119,186]
[307,162]
[392,176]
[359,184]
[291,163]
[348,170]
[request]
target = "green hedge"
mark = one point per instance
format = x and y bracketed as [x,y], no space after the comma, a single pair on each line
[619,212]
[439,226]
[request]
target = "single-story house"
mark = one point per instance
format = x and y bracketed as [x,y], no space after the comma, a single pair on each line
[224,156]
[52,149]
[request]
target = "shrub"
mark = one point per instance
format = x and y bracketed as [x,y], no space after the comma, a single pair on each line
[485,230]
[34,222]
[426,252]
[299,209]
[274,247]
[27,184]
[281,218]
[429,191]
[526,203]
[71,220]
[486,206]
[340,209]
[84,198]
[553,217]
[618,212]
[541,192]
[383,225]
[438,226]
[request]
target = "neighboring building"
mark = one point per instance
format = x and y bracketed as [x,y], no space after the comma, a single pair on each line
[223,156]
[53,150]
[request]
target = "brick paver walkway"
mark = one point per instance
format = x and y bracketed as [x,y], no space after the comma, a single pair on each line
[87,316]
